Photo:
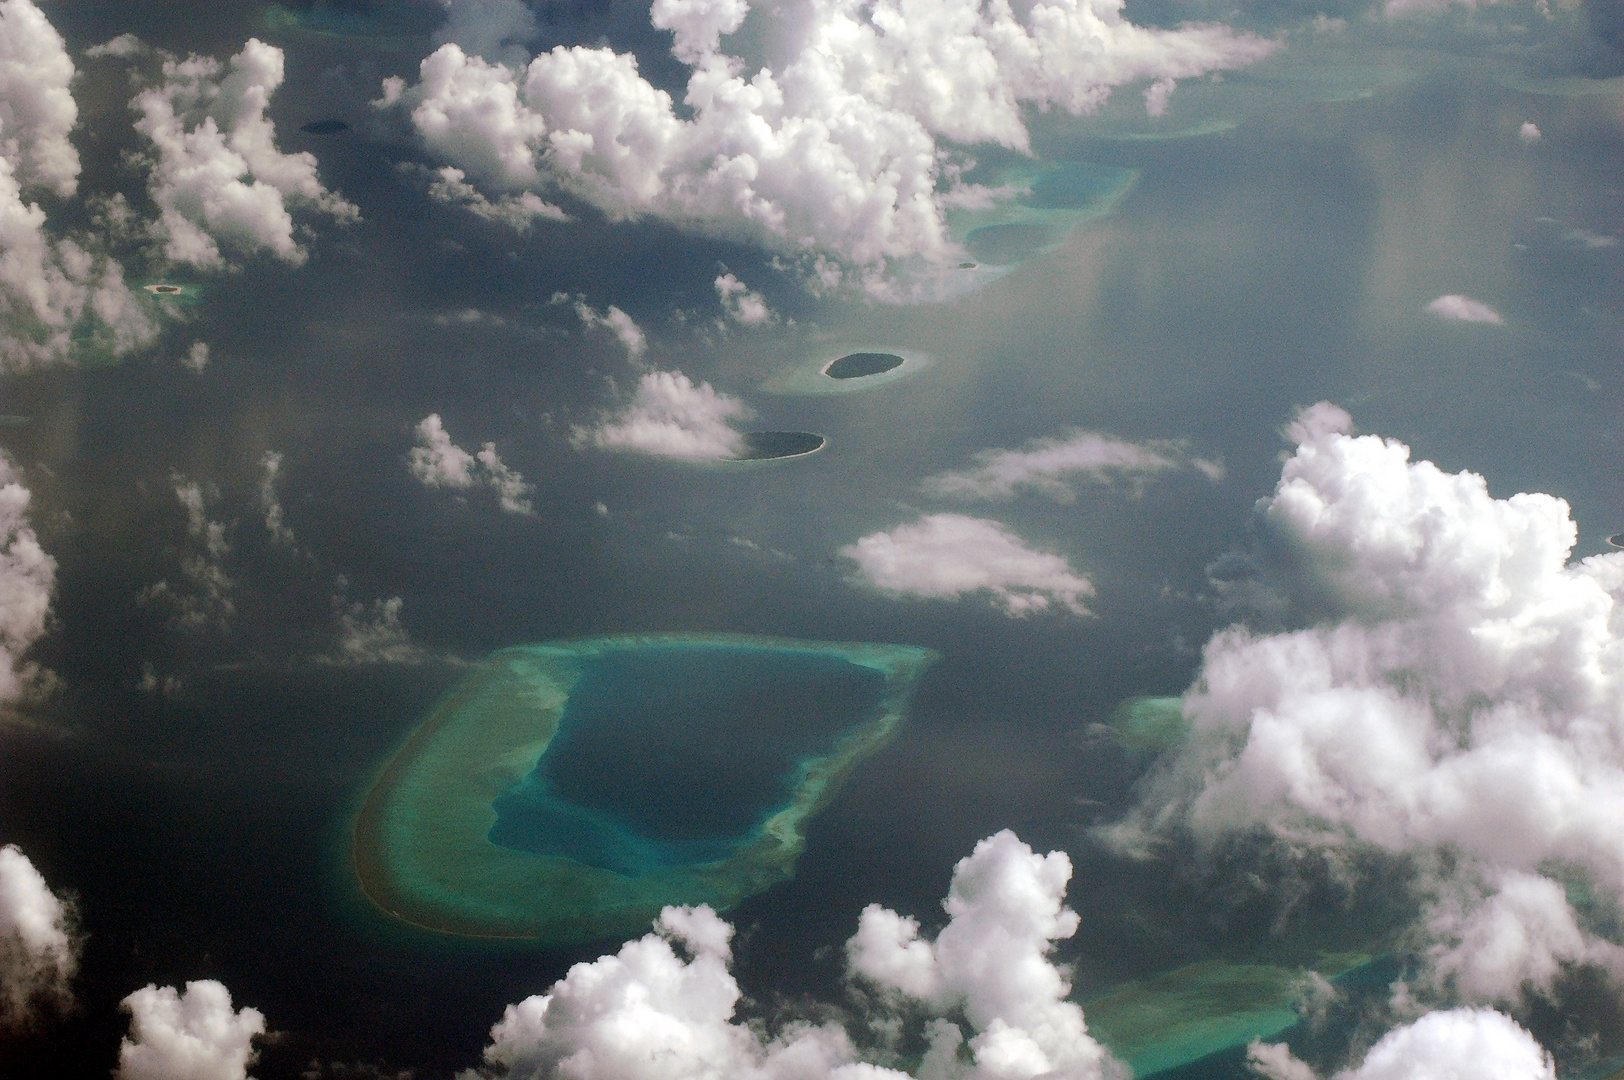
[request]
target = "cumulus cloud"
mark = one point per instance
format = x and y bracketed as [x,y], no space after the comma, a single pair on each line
[517,211]
[373,635]
[1157,96]
[511,490]
[1465,697]
[122,47]
[945,556]
[743,304]
[39,947]
[1456,1044]
[194,1035]
[649,1012]
[672,416]
[203,594]
[27,578]
[214,169]
[1046,466]
[616,321]
[269,501]
[58,296]
[37,111]
[1529,132]
[1463,309]
[835,150]
[438,462]
[196,359]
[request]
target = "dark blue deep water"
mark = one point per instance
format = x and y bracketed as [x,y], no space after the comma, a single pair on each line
[671,755]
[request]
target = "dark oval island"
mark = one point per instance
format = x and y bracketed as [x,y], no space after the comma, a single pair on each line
[1616,541]
[860,364]
[766,445]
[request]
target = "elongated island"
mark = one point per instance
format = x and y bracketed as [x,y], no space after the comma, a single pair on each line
[565,792]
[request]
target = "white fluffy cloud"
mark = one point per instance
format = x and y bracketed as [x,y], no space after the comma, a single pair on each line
[743,304]
[373,635]
[945,556]
[1046,466]
[1529,132]
[511,490]
[517,211]
[196,359]
[439,462]
[1005,912]
[672,416]
[203,594]
[1459,308]
[1456,1044]
[649,1013]
[835,150]
[616,321]
[191,1036]
[37,111]
[27,577]
[1466,698]
[215,171]
[52,290]
[269,501]
[39,950]
[436,460]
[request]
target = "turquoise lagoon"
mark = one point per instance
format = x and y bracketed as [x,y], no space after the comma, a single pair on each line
[567,791]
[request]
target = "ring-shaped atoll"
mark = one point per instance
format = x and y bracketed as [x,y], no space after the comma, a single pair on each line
[565,792]
[811,375]
[173,294]
[1052,200]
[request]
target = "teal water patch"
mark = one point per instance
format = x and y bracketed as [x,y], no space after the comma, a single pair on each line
[1145,726]
[1038,207]
[567,791]
[672,755]
[1195,1012]
[375,22]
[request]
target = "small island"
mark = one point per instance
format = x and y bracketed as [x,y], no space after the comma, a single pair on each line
[770,445]
[1616,541]
[566,792]
[325,127]
[163,290]
[859,365]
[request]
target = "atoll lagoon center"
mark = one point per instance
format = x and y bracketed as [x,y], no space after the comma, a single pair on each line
[566,792]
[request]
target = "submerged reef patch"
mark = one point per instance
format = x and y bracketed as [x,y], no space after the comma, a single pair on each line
[566,792]
[1053,199]
[1206,1009]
